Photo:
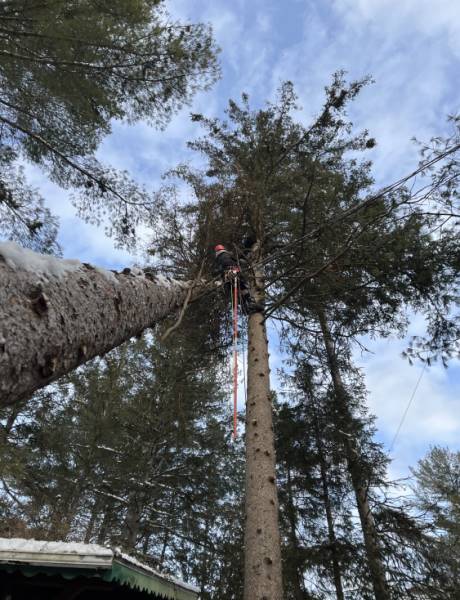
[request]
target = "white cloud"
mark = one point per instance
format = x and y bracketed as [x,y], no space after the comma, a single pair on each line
[413,72]
[433,416]
[405,17]
[264,22]
[411,47]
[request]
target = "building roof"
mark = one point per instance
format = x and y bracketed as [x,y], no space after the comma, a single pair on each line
[72,560]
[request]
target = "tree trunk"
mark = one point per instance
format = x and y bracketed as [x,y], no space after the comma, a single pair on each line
[164,547]
[203,577]
[336,571]
[57,314]
[132,522]
[370,534]
[92,521]
[262,567]
[11,419]
[295,567]
[146,543]
[105,523]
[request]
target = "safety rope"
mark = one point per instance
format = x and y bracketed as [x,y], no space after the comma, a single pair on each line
[235,353]
[230,400]
[236,299]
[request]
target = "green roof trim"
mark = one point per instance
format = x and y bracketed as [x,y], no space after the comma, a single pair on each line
[119,573]
[73,560]
[135,579]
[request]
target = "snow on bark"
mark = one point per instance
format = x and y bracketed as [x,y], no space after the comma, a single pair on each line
[57,314]
[44,266]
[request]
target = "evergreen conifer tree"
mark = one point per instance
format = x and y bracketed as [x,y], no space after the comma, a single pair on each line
[67,70]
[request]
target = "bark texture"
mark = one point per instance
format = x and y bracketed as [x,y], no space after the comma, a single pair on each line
[360,486]
[54,318]
[262,570]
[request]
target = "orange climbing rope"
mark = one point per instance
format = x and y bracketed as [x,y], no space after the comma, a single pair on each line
[235,353]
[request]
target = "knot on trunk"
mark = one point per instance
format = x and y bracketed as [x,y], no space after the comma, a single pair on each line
[49,366]
[38,300]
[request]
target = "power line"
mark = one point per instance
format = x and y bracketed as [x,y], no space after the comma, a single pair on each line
[407,408]
[359,207]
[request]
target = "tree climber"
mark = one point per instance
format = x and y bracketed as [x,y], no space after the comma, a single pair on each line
[229,269]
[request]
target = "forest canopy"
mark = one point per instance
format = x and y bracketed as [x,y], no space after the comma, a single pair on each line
[127,439]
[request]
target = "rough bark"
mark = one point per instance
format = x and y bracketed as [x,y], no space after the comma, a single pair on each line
[360,486]
[57,314]
[262,568]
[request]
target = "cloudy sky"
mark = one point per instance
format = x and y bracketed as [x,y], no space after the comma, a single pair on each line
[412,50]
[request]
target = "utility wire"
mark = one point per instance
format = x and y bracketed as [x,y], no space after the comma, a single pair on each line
[336,219]
[403,418]
[359,207]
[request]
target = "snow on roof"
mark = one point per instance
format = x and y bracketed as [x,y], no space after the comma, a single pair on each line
[55,553]
[36,546]
[74,554]
[136,563]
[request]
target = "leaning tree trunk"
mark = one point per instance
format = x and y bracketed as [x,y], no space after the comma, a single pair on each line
[360,486]
[335,559]
[57,314]
[262,563]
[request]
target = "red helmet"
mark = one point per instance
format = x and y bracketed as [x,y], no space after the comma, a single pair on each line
[218,248]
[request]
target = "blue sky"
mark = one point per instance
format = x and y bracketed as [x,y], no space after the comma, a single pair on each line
[412,50]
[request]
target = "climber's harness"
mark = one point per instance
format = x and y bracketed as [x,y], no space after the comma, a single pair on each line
[231,274]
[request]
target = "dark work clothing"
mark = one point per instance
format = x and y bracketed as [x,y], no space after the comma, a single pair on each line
[227,264]
[225,261]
